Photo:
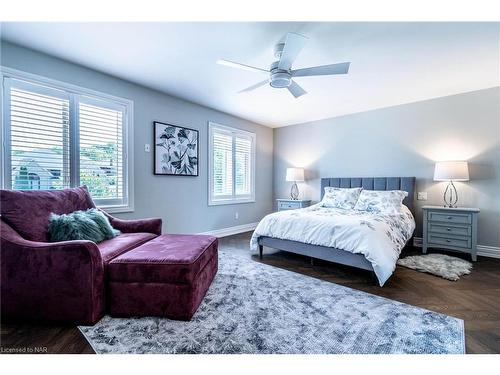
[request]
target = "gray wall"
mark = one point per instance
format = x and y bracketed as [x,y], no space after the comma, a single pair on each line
[180,201]
[404,141]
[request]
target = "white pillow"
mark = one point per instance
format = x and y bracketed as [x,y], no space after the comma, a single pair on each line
[381,201]
[340,197]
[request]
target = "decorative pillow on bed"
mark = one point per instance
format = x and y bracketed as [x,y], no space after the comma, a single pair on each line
[340,197]
[381,201]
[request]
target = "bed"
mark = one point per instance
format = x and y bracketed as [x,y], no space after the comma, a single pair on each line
[306,232]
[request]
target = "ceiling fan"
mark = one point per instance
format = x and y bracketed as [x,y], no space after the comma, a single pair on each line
[281,74]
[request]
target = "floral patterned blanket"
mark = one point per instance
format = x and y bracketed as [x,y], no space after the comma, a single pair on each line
[379,237]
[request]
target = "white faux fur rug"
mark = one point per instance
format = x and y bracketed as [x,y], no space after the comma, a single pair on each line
[450,268]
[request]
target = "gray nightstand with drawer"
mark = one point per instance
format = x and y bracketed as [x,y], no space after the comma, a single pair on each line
[450,228]
[292,204]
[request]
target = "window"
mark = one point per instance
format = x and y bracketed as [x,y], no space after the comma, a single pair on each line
[58,136]
[231,165]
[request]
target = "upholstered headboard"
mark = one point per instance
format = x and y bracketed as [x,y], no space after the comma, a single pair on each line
[375,183]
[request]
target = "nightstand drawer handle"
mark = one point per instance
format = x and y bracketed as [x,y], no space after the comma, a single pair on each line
[450,217]
[448,229]
[448,240]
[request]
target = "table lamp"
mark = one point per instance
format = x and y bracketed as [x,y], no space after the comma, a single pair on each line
[451,171]
[295,175]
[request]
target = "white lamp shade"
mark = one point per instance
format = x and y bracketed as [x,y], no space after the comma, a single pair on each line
[451,171]
[295,174]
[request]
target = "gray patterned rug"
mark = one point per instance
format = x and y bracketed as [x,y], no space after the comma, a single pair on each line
[256,308]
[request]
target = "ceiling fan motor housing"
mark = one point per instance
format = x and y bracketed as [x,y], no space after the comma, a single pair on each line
[279,78]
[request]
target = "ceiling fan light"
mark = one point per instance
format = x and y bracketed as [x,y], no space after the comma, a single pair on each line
[280,80]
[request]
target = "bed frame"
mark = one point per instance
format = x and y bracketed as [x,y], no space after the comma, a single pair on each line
[333,254]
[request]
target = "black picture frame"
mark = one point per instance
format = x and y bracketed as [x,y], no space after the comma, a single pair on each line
[180,158]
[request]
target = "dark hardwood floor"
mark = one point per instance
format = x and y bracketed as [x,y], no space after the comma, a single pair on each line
[475,298]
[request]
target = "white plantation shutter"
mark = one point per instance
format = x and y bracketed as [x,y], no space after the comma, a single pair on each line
[222,164]
[231,163]
[242,165]
[101,151]
[57,138]
[39,138]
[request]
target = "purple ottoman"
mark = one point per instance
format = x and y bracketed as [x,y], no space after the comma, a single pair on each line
[167,276]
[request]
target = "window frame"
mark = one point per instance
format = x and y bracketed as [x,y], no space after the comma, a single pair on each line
[72,92]
[233,199]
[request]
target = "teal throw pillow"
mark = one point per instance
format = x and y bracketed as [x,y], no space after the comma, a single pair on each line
[90,225]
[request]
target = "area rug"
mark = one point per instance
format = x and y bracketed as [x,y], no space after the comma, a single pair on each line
[448,267]
[256,308]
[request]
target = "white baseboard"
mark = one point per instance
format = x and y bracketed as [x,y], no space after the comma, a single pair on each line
[224,232]
[484,251]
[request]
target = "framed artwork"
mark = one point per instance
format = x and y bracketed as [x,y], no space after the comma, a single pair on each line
[175,150]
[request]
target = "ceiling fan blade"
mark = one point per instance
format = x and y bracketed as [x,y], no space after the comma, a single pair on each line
[233,64]
[253,87]
[296,90]
[293,45]
[341,68]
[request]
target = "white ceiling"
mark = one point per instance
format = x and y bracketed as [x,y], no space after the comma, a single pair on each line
[391,63]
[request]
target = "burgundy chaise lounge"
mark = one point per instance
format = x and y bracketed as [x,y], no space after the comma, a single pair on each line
[139,272]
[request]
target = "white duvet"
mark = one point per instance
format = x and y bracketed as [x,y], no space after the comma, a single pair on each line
[380,238]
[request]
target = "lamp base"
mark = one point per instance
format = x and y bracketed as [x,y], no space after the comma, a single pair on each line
[294,191]
[450,196]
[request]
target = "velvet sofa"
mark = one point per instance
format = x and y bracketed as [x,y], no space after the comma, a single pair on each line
[57,281]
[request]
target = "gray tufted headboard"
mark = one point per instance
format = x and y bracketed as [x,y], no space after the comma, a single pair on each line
[375,183]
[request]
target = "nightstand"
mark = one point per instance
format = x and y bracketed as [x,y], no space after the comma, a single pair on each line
[450,228]
[292,204]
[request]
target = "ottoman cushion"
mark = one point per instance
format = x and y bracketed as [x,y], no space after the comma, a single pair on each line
[110,249]
[170,258]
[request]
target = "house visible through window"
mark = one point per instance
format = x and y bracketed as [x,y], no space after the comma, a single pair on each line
[231,165]
[57,138]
